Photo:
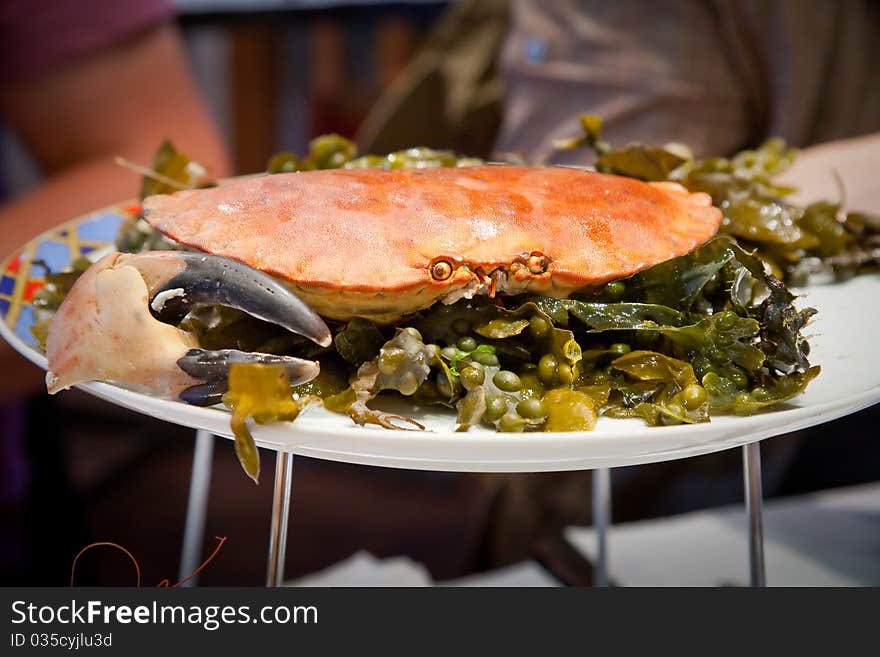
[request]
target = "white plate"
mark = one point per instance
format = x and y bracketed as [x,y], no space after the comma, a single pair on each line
[844,340]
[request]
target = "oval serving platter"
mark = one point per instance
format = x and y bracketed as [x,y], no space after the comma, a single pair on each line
[843,343]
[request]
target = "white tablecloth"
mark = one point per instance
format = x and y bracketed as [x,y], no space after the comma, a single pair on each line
[827,539]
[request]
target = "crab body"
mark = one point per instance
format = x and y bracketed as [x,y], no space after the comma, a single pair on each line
[292,248]
[382,244]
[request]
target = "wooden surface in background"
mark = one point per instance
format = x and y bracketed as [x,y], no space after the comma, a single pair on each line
[348,66]
[254,92]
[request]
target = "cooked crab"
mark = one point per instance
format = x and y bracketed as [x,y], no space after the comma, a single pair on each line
[290,248]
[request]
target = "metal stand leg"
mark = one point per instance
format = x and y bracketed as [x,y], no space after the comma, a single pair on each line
[280,513]
[601,521]
[755,512]
[197,507]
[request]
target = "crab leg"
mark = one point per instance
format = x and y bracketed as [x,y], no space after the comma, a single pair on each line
[105,329]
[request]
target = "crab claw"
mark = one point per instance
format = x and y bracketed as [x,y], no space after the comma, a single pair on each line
[212,367]
[105,330]
[182,280]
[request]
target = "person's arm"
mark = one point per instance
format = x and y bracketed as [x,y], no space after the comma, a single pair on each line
[120,101]
[846,166]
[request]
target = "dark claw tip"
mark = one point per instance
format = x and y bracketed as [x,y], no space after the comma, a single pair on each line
[212,367]
[213,280]
[204,394]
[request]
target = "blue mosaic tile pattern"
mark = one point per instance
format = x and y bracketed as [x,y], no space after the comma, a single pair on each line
[21,278]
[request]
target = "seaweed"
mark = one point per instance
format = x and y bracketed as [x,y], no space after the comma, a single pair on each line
[795,241]
[263,393]
[713,331]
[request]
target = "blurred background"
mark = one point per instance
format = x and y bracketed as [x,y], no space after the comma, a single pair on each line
[478,77]
[276,73]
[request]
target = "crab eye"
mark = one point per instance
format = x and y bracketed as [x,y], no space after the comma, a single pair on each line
[441,270]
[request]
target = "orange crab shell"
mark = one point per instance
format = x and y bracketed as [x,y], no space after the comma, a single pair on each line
[381,244]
